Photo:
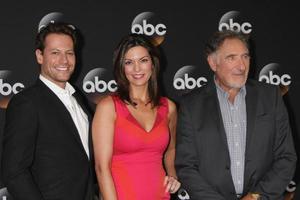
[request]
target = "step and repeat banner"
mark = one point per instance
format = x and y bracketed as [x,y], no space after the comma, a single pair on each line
[178,28]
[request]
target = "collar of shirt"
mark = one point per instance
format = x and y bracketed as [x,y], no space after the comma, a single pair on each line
[79,118]
[69,89]
[225,94]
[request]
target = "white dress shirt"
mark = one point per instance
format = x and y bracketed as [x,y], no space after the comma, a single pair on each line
[79,117]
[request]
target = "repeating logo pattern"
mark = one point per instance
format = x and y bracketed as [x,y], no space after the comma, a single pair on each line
[52,18]
[272,73]
[8,87]
[232,20]
[183,195]
[97,83]
[149,24]
[4,195]
[187,78]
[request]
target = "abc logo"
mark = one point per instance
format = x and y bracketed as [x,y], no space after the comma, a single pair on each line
[188,82]
[274,79]
[149,24]
[50,18]
[6,89]
[100,86]
[271,73]
[291,187]
[4,195]
[234,26]
[187,78]
[183,195]
[229,21]
[149,29]
[97,83]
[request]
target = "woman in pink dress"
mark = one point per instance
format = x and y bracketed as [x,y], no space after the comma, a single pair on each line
[134,129]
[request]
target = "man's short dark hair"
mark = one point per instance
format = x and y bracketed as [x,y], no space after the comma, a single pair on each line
[217,39]
[57,28]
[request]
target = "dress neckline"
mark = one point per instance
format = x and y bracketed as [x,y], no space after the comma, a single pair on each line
[131,118]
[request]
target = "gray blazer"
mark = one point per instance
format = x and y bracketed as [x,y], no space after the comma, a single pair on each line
[202,155]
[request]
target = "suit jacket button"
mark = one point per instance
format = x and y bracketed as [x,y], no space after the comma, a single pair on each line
[227,167]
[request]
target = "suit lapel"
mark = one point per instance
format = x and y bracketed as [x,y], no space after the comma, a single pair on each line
[251,107]
[63,113]
[213,105]
[82,104]
[84,107]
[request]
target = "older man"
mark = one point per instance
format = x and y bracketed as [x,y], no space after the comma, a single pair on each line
[234,139]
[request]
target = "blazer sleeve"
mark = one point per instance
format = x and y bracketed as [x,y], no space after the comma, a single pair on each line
[274,182]
[20,133]
[187,160]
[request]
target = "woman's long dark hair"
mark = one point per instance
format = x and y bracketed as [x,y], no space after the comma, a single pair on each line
[129,41]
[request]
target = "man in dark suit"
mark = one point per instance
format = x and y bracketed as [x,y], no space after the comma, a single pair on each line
[234,139]
[47,151]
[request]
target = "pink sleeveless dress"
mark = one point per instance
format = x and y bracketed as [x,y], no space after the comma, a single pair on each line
[137,161]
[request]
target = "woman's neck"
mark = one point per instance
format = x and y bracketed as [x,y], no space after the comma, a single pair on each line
[139,95]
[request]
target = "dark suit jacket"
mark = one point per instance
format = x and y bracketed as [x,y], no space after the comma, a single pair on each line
[43,156]
[202,155]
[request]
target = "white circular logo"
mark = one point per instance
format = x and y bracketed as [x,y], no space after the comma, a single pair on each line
[233,21]
[272,74]
[183,195]
[52,18]
[98,82]
[187,79]
[149,24]
[4,195]
[8,87]
[291,187]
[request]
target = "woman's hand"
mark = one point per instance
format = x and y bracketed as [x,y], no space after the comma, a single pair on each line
[172,184]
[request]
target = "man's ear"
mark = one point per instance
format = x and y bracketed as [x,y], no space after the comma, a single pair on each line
[211,59]
[39,56]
